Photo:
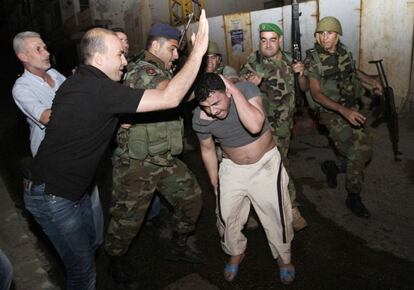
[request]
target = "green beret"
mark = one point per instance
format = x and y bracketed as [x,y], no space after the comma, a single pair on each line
[270,27]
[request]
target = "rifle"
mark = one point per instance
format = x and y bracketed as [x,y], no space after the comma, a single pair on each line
[184,32]
[182,48]
[296,49]
[387,112]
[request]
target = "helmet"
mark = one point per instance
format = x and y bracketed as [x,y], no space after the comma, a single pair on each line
[213,48]
[329,23]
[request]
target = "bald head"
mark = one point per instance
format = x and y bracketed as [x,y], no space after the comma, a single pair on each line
[102,49]
[94,42]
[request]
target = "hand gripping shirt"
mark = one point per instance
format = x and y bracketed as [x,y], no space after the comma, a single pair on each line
[277,87]
[229,132]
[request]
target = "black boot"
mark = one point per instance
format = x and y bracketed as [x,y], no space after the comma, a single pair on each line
[330,169]
[354,203]
[119,270]
[178,250]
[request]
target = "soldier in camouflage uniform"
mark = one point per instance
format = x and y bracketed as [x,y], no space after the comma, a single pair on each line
[213,63]
[336,87]
[273,70]
[146,160]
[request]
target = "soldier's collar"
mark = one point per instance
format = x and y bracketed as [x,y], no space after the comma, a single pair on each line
[340,49]
[284,58]
[151,58]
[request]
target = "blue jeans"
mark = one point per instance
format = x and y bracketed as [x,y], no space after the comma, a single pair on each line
[70,227]
[98,217]
[6,272]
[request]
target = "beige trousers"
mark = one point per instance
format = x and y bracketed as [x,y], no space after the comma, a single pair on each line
[264,185]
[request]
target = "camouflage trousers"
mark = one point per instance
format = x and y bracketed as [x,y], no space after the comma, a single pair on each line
[283,143]
[353,147]
[134,183]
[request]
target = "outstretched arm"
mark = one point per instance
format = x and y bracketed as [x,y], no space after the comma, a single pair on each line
[174,92]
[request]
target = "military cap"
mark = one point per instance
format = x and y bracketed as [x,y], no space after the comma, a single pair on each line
[213,48]
[164,30]
[270,27]
[329,23]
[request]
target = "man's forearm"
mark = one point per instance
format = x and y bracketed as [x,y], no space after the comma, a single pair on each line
[45,116]
[211,164]
[250,116]
[171,96]
[181,83]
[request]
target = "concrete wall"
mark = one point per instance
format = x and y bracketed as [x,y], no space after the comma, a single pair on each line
[387,33]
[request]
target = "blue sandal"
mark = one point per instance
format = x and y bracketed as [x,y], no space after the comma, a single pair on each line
[286,276]
[231,270]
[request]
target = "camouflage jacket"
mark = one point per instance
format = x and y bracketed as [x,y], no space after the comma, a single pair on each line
[336,74]
[227,71]
[277,88]
[153,134]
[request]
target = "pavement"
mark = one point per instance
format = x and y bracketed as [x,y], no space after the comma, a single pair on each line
[388,190]
[30,264]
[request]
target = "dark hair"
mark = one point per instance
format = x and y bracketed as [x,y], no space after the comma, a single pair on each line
[206,84]
[152,38]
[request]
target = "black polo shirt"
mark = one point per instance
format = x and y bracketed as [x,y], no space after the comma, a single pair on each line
[82,123]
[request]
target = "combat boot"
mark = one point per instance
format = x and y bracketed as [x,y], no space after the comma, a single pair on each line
[298,222]
[178,250]
[354,203]
[330,169]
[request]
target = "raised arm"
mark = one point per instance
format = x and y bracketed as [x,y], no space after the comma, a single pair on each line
[208,154]
[250,112]
[175,91]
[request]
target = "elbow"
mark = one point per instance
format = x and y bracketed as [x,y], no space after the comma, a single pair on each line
[257,127]
[175,102]
[172,100]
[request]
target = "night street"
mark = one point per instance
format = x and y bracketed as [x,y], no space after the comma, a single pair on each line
[336,250]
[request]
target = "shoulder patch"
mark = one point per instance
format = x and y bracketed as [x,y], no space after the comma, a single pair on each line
[150,71]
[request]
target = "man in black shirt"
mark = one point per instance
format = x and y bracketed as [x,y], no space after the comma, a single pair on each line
[80,128]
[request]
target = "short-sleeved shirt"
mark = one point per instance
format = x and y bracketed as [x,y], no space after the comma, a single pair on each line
[80,128]
[229,132]
[33,96]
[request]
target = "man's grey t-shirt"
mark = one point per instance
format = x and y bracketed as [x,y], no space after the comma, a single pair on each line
[229,132]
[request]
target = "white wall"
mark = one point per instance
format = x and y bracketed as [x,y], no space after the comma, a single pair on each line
[372,29]
[387,32]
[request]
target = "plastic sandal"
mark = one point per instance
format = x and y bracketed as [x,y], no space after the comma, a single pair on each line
[231,270]
[286,276]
